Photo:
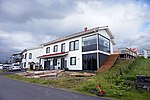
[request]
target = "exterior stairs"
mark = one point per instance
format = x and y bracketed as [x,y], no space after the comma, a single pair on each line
[108,63]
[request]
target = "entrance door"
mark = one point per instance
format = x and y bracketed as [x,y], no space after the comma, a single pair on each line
[62,63]
[47,65]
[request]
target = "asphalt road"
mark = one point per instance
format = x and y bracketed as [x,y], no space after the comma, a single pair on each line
[16,90]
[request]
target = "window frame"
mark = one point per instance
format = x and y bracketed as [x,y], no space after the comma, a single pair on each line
[99,35]
[63,47]
[71,61]
[30,55]
[55,49]
[48,50]
[74,46]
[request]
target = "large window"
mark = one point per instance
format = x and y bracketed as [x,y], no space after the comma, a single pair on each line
[48,50]
[30,55]
[55,48]
[89,43]
[89,61]
[104,44]
[74,45]
[73,61]
[63,47]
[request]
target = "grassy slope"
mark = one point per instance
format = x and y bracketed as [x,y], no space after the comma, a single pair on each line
[111,82]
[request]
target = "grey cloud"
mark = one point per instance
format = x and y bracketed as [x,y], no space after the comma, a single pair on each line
[24,10]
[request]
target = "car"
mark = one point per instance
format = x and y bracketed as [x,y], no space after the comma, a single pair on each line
[14,67]
[1,66]
[6,66]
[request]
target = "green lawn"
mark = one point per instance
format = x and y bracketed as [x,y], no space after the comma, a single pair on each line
[112,82]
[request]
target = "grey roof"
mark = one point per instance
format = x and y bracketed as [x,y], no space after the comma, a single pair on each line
[81,34]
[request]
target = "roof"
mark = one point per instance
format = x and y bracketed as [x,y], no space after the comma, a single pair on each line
[38,47]
[96,29]
[53,55]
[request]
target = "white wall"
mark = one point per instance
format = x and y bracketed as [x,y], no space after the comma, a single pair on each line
[35,53]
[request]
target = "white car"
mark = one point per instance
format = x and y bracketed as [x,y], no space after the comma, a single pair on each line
[1,66]
[15,67]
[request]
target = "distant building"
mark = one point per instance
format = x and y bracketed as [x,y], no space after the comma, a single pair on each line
[146,53]
[30,59]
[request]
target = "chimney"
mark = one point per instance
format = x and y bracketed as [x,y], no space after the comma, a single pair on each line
[85,29]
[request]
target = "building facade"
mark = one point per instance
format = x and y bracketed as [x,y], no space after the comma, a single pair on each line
[30,59]
[85,50]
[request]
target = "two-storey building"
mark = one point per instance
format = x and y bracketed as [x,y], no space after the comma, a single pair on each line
[85,50]
[30,59]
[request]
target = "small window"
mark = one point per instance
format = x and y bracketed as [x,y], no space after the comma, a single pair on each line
[63,47]
[76,45]
[25,56]
[24,64]
[30,55]
[55,48]
[73,61]
[48,50]
[71,45]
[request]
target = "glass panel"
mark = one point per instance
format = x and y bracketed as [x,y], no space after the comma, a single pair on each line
[55,48]
[63,47]
[30,55]
[76,45]
[73,61]
[90,40]
[104,44]
[48,50]
[72,45]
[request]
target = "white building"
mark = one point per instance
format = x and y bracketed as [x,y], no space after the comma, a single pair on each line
[146,53]
[30,57]
[85,50]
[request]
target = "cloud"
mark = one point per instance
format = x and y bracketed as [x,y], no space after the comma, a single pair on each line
[24,24]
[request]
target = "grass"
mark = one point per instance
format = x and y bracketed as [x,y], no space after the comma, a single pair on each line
[112,82]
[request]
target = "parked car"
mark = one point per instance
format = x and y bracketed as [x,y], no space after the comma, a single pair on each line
[6,66]
[14,67]
[1,66]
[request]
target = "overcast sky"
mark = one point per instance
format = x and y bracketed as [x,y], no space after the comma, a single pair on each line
[28,23]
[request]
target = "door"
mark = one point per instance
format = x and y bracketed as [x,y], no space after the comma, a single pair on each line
[47,65]
[62,63]
[89,61]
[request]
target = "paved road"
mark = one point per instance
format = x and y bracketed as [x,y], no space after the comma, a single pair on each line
[16,90]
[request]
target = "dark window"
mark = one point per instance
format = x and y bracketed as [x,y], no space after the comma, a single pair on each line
[102,58]
[55,62]
[73,61]
[104,44]
[89,43]
[24,64]
[89,61]
[48,50]
[55,48]
[25,56]
[63,47]
[74,45]
[30,55]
